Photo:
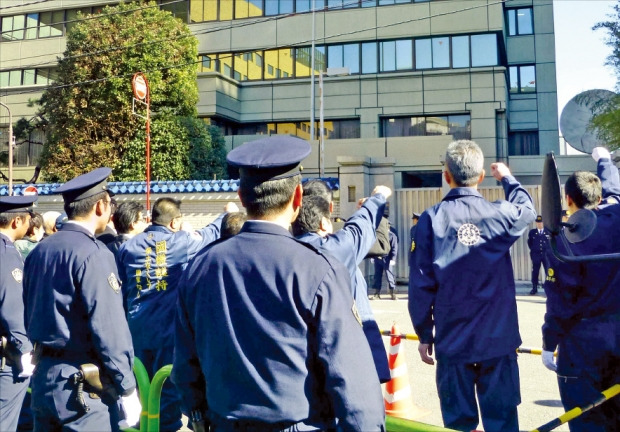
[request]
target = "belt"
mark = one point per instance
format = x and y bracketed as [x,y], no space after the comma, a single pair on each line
[221,423]
[44,351]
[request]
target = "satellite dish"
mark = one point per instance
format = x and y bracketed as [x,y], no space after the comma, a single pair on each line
[576,117]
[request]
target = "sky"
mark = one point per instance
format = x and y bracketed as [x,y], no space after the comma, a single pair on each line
[580,51]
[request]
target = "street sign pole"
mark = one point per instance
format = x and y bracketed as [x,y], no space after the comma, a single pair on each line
[142,93]
[10,149]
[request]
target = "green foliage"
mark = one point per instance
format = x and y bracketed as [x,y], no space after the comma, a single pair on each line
[608,120]
[89,107]
[207,151]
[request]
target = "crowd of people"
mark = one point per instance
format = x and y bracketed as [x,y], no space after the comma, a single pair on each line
[265,314]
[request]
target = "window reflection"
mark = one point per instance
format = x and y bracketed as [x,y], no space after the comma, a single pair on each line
[458,125]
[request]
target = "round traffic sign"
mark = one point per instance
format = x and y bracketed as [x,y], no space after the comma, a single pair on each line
[30,190]
[140,89]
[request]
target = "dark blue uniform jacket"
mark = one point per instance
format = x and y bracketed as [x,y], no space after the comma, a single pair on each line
[150,265]
[270,324]
[11,302]
[585,290]
[538,243]
[350,245]
[74,303]
[461,283]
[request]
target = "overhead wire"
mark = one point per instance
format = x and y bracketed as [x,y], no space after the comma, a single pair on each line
[241,24]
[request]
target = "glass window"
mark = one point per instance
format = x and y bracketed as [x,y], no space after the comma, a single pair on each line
[404,54]
[302,61]
[484,50]
[334,56]
[386,2]
[342,129]
[527,79]
[255,66]
[369,57]
[51,24]
[423,57]
[352,58]
[520,21]
[250,8]
[13,27]
[177,8]
[241,67]
[522,79]
[226,8]
[28,77]
[459,126]
[303,5]
[334,4]
[460,51]
[207,63]
[437,125]
[32,21]
[74,15]
[369,3]
[441,52]
[523,143]
[4,79]
[387,54]
[15,78]
[272,7]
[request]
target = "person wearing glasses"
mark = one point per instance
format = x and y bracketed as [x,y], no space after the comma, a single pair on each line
[15,349]
[150,265]
[75,317]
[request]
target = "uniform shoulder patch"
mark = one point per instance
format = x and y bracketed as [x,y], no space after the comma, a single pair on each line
[468,234]
[18,275]
[356,313]
[114,283]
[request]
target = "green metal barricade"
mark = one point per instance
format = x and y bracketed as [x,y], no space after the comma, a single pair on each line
[395,424]
[155,396]
[144,385]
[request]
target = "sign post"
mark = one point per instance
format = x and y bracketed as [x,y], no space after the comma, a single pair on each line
[142,94]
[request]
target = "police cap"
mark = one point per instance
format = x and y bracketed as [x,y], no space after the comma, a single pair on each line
[539,218]
[271,158]
[16,204]
[86,185]
[415,215]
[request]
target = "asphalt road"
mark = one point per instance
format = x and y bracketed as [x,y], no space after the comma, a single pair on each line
[539,391]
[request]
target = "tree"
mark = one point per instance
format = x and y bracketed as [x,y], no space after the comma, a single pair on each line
[89,107]
[607,121]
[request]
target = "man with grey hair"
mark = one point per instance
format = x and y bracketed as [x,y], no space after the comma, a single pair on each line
[461,285]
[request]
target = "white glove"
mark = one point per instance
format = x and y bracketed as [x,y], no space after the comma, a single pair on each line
[548,360]
[600,153]
[27,366]
[392,263]
[131,408]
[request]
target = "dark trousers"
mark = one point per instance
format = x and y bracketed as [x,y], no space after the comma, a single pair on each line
[494,381]
[12,393]
[537,261]
[588,363]
[55,405]
[380,267]
[170,402]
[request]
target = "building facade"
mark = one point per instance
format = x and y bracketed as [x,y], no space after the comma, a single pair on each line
[400,78]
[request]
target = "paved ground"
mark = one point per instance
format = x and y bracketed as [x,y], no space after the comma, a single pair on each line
[539,392]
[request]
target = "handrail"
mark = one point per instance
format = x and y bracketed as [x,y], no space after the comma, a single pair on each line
[155,396]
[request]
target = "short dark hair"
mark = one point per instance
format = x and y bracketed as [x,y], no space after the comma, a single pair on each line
[318,187]
[36,221]
[262,199]
[165,209]
[126,213]
[313,209]
[585,189]
[75,209]
[7,217]
[232,224]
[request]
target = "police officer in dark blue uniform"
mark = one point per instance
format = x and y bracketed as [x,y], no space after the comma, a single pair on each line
[268,336]
[583,312]
[75,317]
[462,286]
[15,348]
[538,242]
[150,265]
[349,245]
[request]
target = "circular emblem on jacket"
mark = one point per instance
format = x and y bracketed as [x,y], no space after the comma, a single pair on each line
[468,234]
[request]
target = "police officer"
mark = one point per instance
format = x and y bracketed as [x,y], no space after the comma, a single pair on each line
[150,265]
[268,336]
[75,317]
[415,217]
[538,242]
[583,312]
[15,349]
[386,264]
[349,245]
[462,293]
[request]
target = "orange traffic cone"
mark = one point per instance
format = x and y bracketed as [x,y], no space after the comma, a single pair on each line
[397,396]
